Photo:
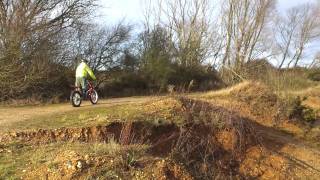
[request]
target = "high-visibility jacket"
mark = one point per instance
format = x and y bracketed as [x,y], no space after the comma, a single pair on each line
[83,70]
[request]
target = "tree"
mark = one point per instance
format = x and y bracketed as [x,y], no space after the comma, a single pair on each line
[103,46]
[308,30]
[316,61]
[129,62]
[286,27]
[189,24]
[244,22]
[294,31]
[155,56]
[29,40]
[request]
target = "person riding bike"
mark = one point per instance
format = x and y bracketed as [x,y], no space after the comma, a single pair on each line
[82,72]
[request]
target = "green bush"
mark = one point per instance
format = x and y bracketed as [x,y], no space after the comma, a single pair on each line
[314,75]
[201,77]
[297,111]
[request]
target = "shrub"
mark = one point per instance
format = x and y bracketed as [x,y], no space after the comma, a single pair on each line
[296,110]
[202,78]
[286,79]
[314,75]
[43,83]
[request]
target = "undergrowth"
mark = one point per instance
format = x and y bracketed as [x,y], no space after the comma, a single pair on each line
[297,111]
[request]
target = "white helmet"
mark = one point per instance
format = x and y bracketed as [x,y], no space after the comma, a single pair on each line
[84,60]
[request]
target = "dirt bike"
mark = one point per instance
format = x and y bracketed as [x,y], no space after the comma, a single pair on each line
[77,96]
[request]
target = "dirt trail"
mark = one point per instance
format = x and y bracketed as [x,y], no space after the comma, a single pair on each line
[304,157]
[15,114]
[288,153]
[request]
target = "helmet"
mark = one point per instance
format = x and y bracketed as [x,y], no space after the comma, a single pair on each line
[84,60]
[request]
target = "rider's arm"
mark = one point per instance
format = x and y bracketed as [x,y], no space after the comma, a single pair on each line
[93,77]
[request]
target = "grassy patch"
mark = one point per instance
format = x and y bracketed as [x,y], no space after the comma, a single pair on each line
[19,159]
[77,118]
[158,112]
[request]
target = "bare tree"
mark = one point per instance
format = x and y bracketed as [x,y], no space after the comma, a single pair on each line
[189,23]
[29,31]
[285,27]
[103,46]
[295,30]
[316,61]
[244,22]
[307,31]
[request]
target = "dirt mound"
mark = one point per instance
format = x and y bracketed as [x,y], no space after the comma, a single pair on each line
[235,135]
[209,141]
[139,132]
[257,96]
[67,165]
[70,165]
[167,169]
[227,91]
[230,130]
[258,101]
[259,162]
[212,139]
[253,98]
[165,110]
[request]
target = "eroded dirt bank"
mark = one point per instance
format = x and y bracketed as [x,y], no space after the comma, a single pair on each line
[235,150]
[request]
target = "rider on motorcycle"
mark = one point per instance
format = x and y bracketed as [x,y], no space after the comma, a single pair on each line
[82,72]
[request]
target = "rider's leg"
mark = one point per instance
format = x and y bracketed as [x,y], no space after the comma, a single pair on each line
[78,83]
[83,87]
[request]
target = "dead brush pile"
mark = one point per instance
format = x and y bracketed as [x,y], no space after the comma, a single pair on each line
[193,114]
[216,142]
[213,140]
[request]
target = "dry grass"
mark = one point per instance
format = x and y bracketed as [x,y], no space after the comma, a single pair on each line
[222,134]
[227,91]
[307,92]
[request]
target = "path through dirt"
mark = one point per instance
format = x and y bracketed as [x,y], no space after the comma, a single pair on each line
[15,114]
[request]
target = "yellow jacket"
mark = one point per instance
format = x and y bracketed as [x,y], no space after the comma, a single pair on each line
[83,70]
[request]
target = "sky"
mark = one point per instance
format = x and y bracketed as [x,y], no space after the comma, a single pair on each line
[113,11]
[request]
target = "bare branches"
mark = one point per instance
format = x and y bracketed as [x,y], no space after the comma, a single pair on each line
[295,30]
[103,46]
[243,26]
[30,31]
[189,25]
